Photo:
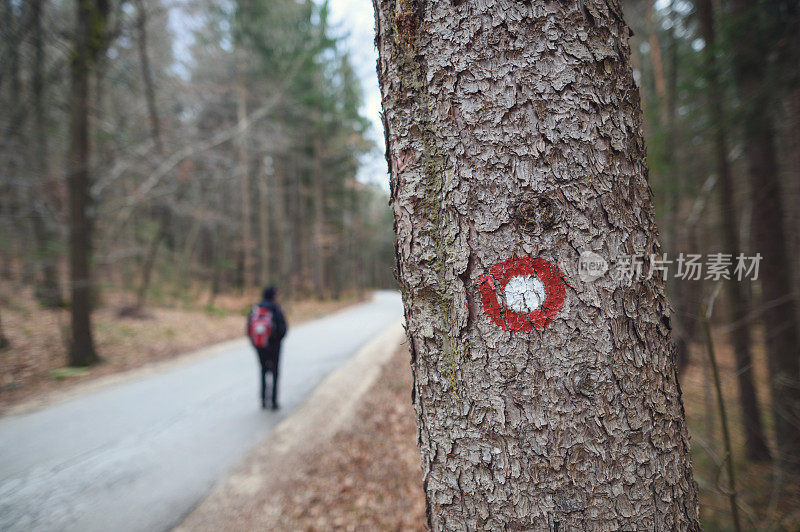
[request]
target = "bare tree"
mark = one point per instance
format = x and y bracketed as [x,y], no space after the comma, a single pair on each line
[544,400]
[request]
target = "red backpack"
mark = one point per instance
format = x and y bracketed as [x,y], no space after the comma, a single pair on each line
[260,326]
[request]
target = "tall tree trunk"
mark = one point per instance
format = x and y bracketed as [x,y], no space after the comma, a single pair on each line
[687,294]
[4,343]
[244,171]
[12,197]
[155,132]
[755,441]
[89,40]
[543,400]
[296,216]
[265,255]
[16,113]
[658,65]
[318,199]
[769,234]
[147,75]
[791,164]
[282,229]
[48,286]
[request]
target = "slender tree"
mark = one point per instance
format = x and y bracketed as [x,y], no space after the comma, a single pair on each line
[544,400]
[90,38]
[147,75]
[48,285]
[755,441]
[244,177]
[264,177]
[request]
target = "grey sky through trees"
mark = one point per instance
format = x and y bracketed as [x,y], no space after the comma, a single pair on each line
[352,18]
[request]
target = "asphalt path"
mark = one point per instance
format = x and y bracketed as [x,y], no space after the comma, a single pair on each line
[140,455]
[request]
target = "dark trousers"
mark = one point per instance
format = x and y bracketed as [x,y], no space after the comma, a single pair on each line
[269,357]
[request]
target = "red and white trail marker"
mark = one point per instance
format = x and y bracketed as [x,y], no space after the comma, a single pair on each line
[532,291]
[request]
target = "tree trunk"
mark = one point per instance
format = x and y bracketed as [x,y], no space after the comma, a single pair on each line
[244,171]
[48,287]
[216,265]
[16,112]
[658,65]
[769,235]
[150,258]
[147,75]
[265,254]
[297,222]
[513,139]
[4,343]
[318,199]
[791,164]
[688,297]
[755,441]
[282,243]
[155,132]
[12,195]
[686,294]
[89,39]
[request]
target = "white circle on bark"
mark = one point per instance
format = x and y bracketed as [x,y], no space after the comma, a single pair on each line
[525,293]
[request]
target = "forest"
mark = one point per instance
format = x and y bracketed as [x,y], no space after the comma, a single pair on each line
[720,91]
[126,168]
[160,153]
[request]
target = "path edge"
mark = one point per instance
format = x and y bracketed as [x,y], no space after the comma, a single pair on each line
[329,408]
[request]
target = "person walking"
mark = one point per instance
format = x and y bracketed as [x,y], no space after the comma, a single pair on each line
[266,327]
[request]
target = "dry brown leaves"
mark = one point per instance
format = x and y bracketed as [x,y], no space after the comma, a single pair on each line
[368,477]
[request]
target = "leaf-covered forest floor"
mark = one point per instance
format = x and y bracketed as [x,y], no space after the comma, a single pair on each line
[369,477]
[34,365]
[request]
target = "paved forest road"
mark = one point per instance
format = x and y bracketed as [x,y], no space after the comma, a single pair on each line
[140,455]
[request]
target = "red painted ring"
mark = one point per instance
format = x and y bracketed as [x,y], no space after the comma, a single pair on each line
[498,277]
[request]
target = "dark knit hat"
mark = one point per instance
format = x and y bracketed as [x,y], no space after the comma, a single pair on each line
[269,293]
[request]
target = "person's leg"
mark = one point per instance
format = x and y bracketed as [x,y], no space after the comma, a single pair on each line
[274,363]
[264,362]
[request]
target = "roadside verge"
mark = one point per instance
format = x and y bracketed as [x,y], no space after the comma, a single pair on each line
[330,408]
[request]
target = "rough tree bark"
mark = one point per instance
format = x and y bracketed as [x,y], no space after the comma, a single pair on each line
[769,234]
[755,441]
[89,41]
[514,132]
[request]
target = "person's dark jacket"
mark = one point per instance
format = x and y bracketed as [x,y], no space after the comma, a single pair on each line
[278,322]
